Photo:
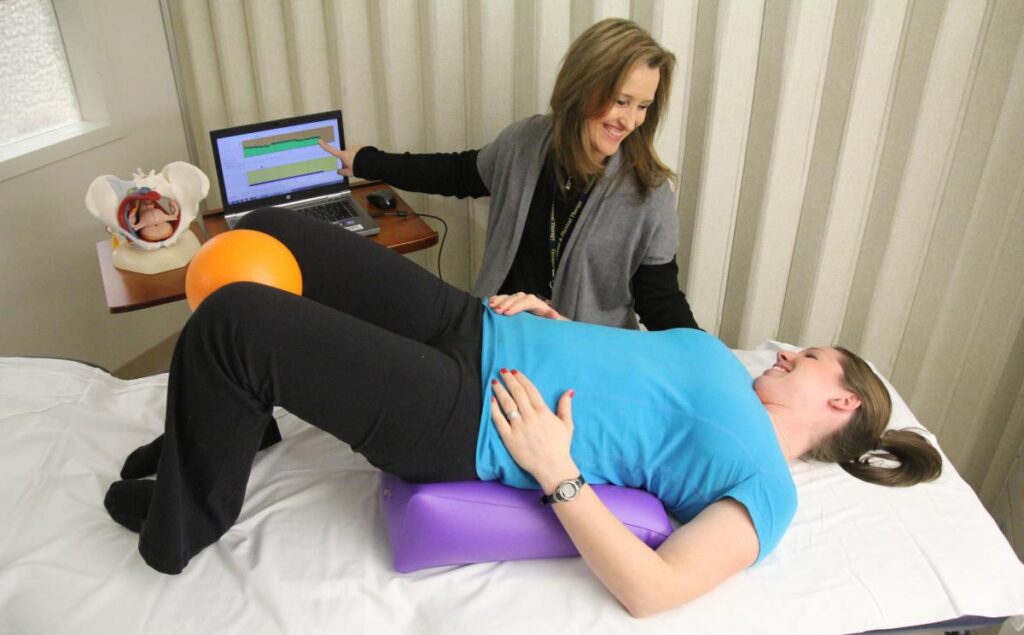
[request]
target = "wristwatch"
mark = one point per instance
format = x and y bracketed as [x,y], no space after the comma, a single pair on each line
[565,492]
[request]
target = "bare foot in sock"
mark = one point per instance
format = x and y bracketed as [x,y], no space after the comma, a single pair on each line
[127,502]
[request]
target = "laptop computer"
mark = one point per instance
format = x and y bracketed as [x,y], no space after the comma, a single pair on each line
[279,164]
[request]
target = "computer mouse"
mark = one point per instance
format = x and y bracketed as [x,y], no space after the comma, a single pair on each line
[381,199]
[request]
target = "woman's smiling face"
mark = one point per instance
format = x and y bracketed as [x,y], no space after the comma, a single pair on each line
[626,113]
[814,374]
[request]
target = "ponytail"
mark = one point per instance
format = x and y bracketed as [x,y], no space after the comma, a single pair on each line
[864,448]
[918,461]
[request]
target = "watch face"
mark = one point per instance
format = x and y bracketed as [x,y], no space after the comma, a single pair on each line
[567,491]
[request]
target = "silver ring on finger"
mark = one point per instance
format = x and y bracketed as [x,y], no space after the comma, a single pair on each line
[512,415]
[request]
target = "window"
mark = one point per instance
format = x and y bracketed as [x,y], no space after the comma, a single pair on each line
[38,94]
[55,97]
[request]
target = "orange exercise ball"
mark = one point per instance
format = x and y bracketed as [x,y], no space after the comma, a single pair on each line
[241,255]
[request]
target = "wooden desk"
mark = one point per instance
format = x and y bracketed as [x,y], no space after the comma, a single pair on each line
[129,291]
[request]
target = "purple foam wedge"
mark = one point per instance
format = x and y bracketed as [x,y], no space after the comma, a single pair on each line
[438,524]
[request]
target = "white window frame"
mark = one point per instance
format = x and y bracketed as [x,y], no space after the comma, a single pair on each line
[83,39]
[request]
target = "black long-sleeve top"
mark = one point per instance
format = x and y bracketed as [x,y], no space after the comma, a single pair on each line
[657,298]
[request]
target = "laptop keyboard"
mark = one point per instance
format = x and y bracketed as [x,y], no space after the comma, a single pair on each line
[334,211]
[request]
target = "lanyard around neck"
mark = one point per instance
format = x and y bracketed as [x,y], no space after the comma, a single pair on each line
[555,245]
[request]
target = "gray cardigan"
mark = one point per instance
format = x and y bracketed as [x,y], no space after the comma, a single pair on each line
[617,231]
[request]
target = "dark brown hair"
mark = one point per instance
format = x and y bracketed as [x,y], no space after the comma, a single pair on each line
[593,71]
[864,442]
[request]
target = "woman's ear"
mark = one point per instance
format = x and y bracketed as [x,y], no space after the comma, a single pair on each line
[846,402]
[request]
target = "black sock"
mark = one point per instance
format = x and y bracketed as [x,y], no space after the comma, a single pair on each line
[127,502]
[144,460]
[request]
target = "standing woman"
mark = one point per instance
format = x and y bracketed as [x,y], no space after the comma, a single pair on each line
[582,218]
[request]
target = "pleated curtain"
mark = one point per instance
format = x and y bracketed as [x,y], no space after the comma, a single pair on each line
[850,171]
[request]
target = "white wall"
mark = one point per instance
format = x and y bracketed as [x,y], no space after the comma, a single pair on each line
[51,294]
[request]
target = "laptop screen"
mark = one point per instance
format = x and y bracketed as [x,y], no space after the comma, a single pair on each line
[278,161]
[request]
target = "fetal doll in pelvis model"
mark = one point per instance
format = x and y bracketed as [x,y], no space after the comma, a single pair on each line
[149,216]
[153,222]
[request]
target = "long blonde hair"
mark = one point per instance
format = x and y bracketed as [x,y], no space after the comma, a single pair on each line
[593,71]
[857,446]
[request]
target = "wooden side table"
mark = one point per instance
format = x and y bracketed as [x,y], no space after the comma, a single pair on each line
[129,291]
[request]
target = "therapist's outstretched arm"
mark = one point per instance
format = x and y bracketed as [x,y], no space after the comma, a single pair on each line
[696,558]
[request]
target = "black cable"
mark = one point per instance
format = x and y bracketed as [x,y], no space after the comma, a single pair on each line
[444,236]
[440,247]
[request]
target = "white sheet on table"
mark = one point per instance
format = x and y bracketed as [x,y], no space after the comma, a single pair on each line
[309,555]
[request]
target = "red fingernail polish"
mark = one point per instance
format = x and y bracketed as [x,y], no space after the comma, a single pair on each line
[515,372]
[504,370]
[494,381]
[572,393]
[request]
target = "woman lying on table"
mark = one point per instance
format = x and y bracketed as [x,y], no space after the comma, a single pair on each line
[430,384]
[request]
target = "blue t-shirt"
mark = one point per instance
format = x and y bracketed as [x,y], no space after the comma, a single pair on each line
[671,412]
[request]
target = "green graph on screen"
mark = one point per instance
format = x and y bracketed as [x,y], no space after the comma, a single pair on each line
[288,141]
[280,146]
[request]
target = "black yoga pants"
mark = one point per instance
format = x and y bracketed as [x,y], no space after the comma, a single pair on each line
[377,352]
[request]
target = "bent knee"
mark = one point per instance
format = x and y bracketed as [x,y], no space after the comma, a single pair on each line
[264,219]
[233,301]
